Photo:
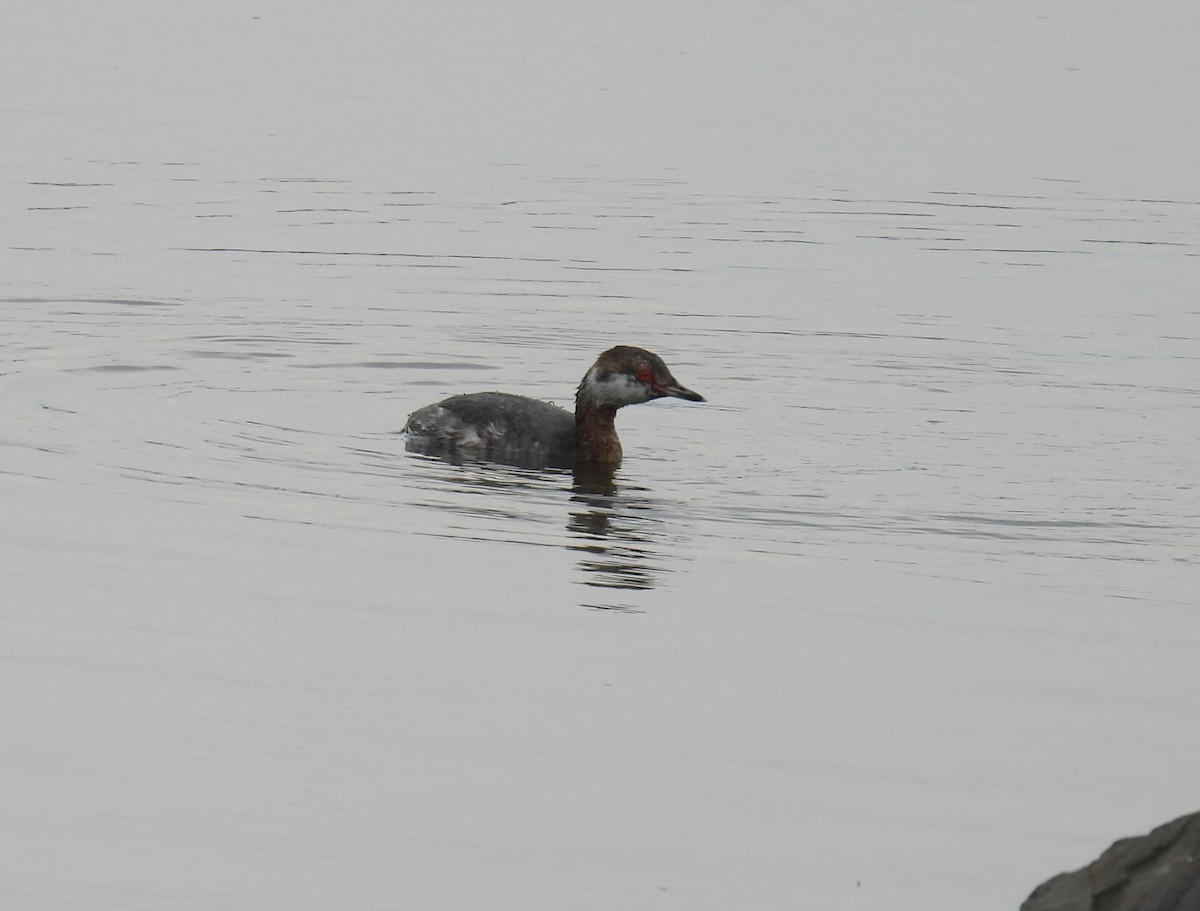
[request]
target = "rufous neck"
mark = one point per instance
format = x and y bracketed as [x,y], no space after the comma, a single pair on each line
[596,433]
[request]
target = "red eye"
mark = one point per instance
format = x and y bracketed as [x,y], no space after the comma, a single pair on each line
[645,375]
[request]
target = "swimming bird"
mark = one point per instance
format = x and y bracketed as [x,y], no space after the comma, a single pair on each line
[515,428]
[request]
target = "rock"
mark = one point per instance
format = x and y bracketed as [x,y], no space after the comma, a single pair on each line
[1155,872]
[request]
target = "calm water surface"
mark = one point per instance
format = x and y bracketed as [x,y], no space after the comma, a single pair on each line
[1009,379]
[903,616]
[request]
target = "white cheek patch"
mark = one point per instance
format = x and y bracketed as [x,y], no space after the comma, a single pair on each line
[616,389]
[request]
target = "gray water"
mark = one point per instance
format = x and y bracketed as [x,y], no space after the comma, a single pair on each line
[903,616]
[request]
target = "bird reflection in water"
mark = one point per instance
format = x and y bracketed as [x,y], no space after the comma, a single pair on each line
[615,530]
[618,535]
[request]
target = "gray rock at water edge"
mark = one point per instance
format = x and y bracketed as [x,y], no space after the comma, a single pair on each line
[1155,872]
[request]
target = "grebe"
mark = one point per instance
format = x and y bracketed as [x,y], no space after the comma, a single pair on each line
[504,427]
